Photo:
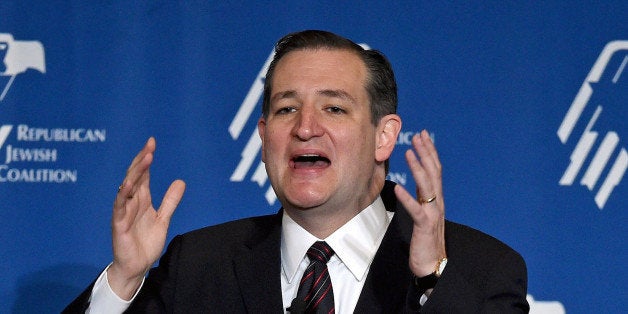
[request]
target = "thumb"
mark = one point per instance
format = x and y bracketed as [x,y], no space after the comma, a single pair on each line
[408,201]
[171,200]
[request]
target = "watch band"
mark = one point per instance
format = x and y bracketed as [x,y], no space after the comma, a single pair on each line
[428,282]
[425,283]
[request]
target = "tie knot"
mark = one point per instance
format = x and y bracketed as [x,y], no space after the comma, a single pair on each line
[320,251]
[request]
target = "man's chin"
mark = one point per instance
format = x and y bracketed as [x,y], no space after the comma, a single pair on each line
[300,205]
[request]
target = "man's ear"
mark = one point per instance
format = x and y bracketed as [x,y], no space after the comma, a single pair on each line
[387,131]
[261,129]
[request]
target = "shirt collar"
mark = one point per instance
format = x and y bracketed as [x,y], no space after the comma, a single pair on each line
[355,243]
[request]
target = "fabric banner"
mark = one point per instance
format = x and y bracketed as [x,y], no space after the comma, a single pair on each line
[526,103]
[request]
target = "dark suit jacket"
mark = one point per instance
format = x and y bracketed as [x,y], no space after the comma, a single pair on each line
[235,268]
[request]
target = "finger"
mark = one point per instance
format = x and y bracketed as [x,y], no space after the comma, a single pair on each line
[408,201]
[149,147]
[426,150]
[171,200]
[421,177]
[137,175]
[138,169]
[140,201]
[429,145]
[430,165]
[426,220]
[135,200]
[139,162]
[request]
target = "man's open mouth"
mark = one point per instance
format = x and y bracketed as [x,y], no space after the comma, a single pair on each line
[310,161]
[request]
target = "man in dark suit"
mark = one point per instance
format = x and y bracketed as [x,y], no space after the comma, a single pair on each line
[328,127]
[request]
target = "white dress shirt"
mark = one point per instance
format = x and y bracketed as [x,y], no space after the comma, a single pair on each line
[354,244]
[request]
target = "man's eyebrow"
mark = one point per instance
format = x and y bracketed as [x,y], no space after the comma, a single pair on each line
[283,95]
[337,93]
[333,93]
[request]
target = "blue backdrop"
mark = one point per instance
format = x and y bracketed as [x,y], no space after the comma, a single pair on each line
[526,102]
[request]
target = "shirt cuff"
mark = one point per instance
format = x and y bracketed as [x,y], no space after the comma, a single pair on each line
[423,299]
[104,300]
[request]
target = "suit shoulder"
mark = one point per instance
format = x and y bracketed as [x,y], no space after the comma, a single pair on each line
[476,247]
[218,245]
[234,230]
[483,275]
[225,238]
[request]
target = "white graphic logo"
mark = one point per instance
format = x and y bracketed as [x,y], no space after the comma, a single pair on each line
[545,307]
[254,143]
[613,61]
[4,133]
[17,57]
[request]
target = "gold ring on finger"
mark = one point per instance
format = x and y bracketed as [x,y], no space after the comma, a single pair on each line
[428,200]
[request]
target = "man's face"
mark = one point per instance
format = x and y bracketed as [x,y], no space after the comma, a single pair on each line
[318,142]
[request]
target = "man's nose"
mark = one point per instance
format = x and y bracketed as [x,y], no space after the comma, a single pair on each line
[308,123]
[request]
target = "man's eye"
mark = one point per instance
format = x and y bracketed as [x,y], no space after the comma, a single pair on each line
[335,109]
[285,110]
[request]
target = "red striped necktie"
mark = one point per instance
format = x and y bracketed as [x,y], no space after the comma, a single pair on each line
[315,293]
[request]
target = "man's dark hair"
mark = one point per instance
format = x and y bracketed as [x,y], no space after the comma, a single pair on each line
[380,82]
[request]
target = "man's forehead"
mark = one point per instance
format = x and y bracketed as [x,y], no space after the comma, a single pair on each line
[326,53]
[335,63]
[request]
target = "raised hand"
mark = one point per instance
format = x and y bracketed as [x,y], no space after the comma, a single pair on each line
[427,210]
[138,230]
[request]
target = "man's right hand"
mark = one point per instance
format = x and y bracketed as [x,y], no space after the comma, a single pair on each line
[138,230]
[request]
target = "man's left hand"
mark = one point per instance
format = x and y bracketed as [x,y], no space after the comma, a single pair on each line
[427,210]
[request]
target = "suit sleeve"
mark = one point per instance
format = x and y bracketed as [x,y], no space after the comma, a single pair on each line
[81,303]
[483,275]
[507,288]
[153,296]
[158,290]
[499,287]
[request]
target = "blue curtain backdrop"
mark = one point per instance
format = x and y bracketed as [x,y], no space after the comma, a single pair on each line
[527,104]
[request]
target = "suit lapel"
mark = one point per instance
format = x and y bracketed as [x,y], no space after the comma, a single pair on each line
[258,267]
